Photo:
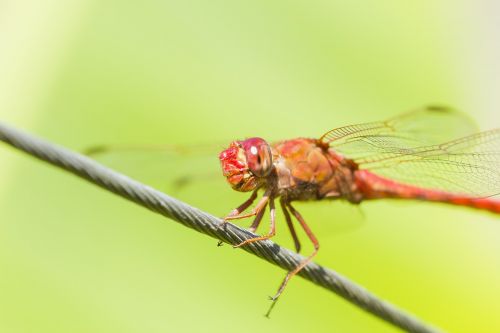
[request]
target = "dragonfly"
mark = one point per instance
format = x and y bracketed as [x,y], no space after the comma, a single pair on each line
[431,154]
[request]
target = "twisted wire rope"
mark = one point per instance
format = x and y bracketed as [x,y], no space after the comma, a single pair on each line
[205,223]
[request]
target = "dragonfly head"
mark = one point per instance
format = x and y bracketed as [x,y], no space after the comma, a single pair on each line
[246,163]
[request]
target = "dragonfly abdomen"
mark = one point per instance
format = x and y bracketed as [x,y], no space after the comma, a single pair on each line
[372,186]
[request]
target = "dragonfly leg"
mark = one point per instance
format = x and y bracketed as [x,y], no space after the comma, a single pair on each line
[272,229]
[257,220]
[305,261]
[255,223]
[241,208]
[290,224]
[236,213]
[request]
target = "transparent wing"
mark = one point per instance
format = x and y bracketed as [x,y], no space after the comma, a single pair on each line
[470,165]
[421,148]
[423,127]
[172,168]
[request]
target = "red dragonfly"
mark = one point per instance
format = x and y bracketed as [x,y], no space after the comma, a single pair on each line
[413,156]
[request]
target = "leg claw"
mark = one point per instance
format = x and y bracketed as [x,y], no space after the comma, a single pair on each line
[238,245]
[223,224]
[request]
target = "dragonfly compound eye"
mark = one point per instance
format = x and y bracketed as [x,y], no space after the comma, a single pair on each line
[258,155]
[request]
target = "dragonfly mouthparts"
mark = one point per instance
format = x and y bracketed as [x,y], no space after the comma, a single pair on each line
[230,161]
[235,169]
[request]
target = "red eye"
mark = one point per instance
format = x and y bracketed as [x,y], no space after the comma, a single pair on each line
[259,157]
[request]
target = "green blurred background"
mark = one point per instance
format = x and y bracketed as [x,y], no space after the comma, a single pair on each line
[74,258]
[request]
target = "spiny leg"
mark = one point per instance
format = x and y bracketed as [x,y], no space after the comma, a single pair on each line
[241,208]
[255,223]
[290,224]
[236,213]
[257,220]
[260,205]
[272,229]
[305,261]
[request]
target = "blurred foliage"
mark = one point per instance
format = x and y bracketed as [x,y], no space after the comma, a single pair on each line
[77,259]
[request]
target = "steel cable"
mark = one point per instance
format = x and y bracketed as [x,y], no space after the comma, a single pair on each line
[205,223]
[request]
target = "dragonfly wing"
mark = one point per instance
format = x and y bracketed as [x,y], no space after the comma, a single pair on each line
[469,166]
[422,127]
[421,148]
[167,167]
